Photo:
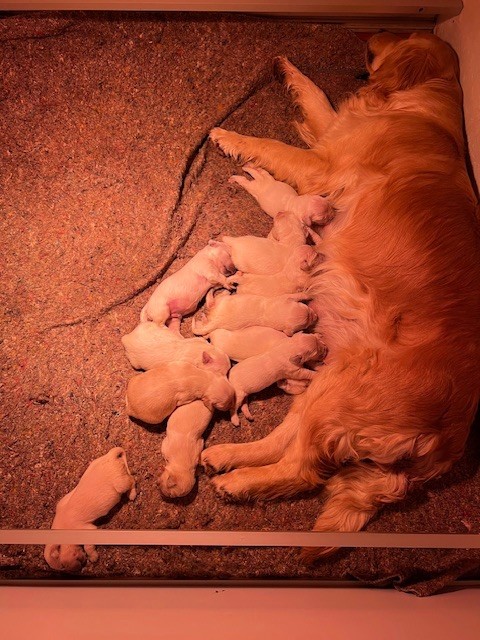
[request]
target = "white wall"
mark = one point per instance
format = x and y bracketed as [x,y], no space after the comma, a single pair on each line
[463,33]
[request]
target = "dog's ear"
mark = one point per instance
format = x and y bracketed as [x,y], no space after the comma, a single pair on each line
[413,62]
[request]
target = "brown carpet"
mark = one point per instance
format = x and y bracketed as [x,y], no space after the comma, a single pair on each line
[107,182]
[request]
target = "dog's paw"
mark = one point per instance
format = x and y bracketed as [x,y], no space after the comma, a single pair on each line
[229,487]
[229,142]
[222,138]
[216,459]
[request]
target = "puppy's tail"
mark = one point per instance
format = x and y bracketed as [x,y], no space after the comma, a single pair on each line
[354,495]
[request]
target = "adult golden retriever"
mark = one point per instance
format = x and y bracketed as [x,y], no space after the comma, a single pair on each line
[397,296]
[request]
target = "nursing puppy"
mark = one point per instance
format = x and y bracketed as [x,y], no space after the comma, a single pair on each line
[150,345]
[285,360]
[264,256]
[182,447]
[100,488]
[180,293]
[285,313]
[397,292]
[274,196]
[246,343]
[292,278]
[152,396]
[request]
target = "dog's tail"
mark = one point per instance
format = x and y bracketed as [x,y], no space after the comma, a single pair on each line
[354,495]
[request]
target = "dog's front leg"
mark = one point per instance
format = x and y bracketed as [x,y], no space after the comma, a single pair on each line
[289,164]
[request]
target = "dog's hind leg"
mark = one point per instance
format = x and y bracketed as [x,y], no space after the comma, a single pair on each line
[224,457]
[298,167]
[354,495]
[315,108]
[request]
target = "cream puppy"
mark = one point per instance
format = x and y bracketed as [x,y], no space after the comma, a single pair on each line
[246,343]
[283,361]
[288,229]
[285,313]
[152,396]
[252,254]
[180,293]
[100,488]
[150,345]
[292,278]
[274,196]
[182,447]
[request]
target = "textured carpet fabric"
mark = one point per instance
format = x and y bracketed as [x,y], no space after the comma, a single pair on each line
[108,182]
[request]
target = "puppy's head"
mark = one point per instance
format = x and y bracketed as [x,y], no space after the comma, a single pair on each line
[216,360]
[396,63]
[65,557]
[220,394]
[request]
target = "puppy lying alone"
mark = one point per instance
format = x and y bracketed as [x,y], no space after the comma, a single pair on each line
[100,488]
[180,293]
[285,360]
[292,278]
[154,395]
[182,447]
[285,313]
[150,345]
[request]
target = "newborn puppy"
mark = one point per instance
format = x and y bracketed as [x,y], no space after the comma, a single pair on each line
[154,395]
[283,361]
[180,293]
[150,345]
[293,387]
[245,343]
[100,488]
[262,256]
[285,313]
[288,229]
[292,278]
[274,196]
[182,447]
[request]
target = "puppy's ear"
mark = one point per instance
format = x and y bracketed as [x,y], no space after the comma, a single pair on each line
[206,358]
[207,402]
[297,361]
[55,551]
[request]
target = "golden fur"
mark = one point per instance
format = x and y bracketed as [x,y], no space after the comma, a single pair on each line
[397,296]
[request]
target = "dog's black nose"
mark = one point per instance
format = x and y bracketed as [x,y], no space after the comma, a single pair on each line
[363,76]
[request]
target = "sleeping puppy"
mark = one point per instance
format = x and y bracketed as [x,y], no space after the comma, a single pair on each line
[286,313]
[99,489]
[284,361]
[292,278]
[150,345]
[152,396]
[397,294]
[179,294]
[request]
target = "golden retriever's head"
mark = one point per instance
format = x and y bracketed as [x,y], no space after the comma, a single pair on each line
[396,63]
